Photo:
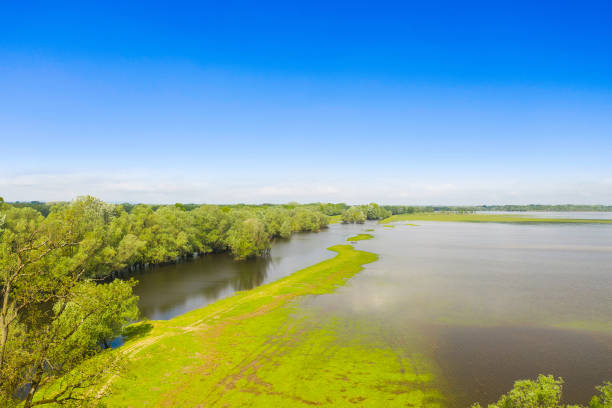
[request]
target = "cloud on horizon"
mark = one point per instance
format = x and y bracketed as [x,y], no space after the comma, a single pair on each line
[138,186]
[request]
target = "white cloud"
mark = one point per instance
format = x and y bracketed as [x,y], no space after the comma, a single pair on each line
[168,187]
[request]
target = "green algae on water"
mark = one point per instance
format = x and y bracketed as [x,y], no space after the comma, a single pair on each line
[360,237]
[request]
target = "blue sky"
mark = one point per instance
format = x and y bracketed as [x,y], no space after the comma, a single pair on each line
[424,103]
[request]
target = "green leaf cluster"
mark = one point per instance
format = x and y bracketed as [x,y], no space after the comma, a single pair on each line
[546,392]
[55,313]
[360,213]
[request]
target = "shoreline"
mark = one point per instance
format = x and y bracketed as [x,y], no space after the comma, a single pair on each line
[246,349]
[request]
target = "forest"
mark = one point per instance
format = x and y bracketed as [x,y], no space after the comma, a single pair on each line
[60,305]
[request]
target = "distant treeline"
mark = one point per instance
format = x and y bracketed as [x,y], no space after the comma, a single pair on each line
[544,207]
[408,209]
[326,208]
[340,208]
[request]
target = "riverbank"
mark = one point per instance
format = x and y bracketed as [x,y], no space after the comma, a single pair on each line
[256,348]
[472,217]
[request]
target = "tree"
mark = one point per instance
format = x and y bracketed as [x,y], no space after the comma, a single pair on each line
[354,215]
[248,238]
[285,229]
[546,392]
[54,315]
[604,399]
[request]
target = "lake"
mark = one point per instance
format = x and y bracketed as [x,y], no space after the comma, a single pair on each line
[486,303]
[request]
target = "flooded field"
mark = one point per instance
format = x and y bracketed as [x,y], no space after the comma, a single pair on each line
[484,303]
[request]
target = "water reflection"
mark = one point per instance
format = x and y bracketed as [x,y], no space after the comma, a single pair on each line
[174,289]
[171,290]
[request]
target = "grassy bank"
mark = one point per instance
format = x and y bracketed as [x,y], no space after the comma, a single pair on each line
[260,348]
[455,217]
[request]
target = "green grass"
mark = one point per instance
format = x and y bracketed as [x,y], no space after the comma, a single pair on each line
[261,348]
[388,225]
[411,225]
[360,237]
[487,218]
[369,229]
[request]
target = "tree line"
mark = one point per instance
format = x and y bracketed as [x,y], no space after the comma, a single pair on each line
[410,209]
[360,213]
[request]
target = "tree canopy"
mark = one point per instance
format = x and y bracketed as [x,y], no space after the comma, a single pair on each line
[546,392]
[55,314]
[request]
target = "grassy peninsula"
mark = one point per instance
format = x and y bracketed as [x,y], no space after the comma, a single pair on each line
[253,349]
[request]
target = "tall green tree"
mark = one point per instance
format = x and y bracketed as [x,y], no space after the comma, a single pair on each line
[248,237]
[55,317]
[354,214]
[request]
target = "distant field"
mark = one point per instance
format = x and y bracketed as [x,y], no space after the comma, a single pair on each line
[454,217]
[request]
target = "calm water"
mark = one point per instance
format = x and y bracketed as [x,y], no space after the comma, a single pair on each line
[491,302]
[486,303]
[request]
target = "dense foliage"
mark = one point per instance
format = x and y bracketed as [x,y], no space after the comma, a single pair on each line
[360,213]
[152,234]
[54,315]
[546,392]
[146,234]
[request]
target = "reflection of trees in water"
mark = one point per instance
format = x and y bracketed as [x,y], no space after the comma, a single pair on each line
[199,282]
[242,275]
[251,273]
